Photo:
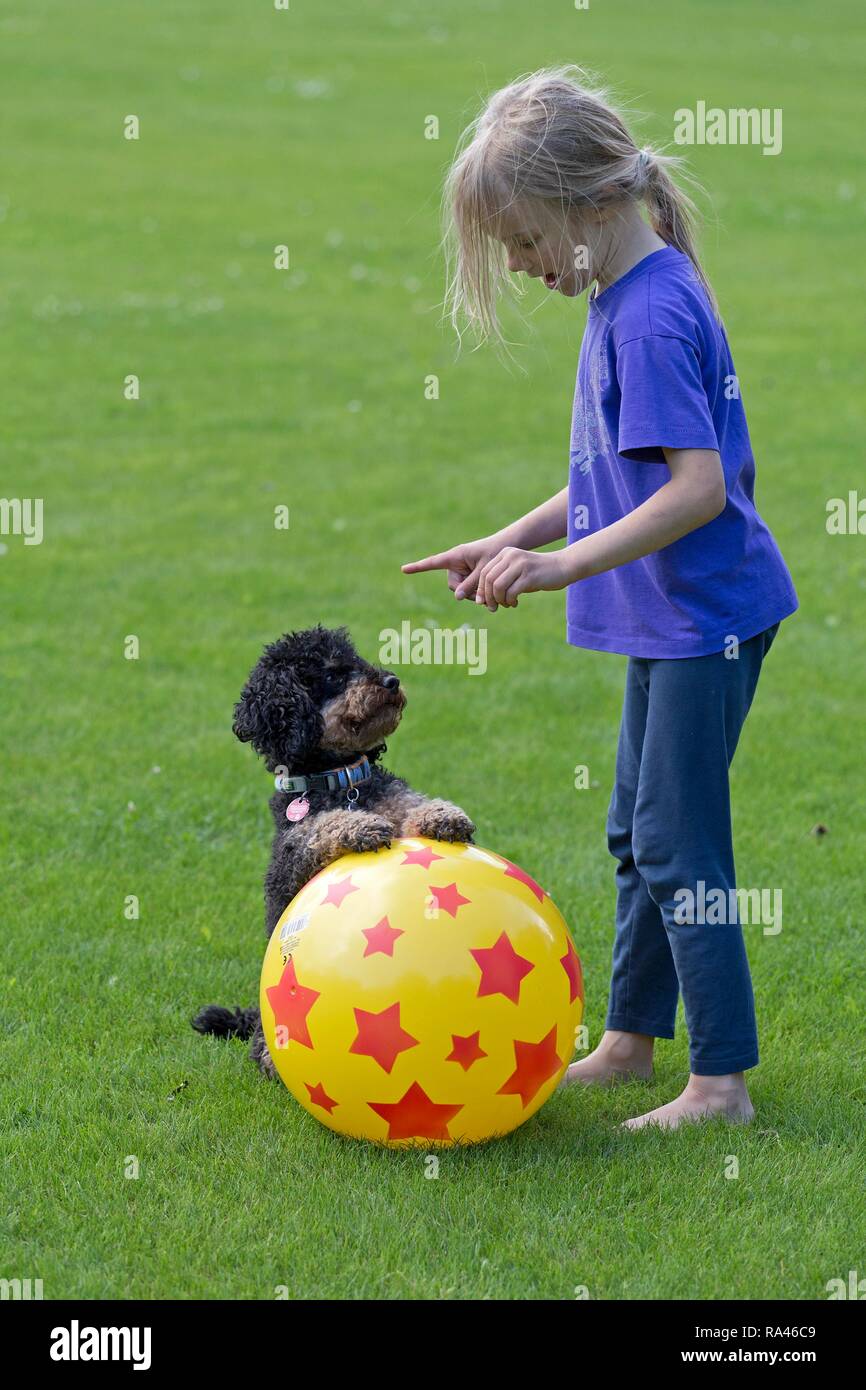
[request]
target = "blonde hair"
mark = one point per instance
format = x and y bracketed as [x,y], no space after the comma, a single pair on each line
[553,140]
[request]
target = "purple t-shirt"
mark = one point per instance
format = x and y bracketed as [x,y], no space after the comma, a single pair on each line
[655,370]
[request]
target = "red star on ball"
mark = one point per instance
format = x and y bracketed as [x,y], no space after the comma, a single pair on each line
[381,938]
[502,969]
[291,1002]
[466,1050]
[535,1064]
[381,1037]
[522,877]
[416,1116]
[338,891]
[450,899]
[424,857]
[319,1096]
[570,963]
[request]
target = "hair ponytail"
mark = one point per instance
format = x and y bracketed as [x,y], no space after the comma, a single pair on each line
[672,213]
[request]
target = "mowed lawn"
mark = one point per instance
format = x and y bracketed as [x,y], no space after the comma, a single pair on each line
[305,388]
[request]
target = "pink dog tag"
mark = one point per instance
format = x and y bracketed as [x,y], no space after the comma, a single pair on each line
[297,809]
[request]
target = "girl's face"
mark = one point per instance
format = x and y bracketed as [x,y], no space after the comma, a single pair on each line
[558,252]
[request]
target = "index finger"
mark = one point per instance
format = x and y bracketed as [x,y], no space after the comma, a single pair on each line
[442,561]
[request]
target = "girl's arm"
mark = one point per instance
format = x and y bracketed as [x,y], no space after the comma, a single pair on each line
[464,563]
[694,496]
[545,523]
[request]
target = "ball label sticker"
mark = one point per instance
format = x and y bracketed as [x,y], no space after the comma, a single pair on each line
[292,929]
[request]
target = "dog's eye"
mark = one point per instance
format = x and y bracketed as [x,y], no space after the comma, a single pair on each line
[331,681]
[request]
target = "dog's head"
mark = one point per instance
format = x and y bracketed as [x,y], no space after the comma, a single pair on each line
[312,702]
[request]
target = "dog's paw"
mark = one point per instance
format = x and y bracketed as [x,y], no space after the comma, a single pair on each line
[363,833]
[265,1063]
[261,1056]
[347,832]
[440,820]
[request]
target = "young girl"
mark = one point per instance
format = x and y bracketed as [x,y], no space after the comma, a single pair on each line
[667,561]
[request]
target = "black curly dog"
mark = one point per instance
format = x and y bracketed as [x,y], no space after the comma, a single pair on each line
[312,706]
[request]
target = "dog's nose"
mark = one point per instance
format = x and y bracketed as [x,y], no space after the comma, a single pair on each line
[391,682]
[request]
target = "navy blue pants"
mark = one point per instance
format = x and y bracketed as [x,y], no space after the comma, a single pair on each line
[669,826]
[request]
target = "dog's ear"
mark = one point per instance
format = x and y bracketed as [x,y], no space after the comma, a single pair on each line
[249,722]
[276,715]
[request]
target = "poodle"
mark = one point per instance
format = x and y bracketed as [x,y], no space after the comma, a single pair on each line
[318,713]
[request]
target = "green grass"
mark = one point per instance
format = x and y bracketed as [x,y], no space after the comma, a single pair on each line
[155,257]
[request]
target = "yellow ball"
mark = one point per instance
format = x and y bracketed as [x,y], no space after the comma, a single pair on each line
[428,994]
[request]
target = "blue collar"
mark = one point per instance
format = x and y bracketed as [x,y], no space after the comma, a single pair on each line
[334,780]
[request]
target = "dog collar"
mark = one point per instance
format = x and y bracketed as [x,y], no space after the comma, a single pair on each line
[334,780]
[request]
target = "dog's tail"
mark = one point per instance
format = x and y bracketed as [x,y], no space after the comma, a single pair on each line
[227,1023]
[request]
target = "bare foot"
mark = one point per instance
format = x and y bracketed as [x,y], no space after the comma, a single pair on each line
[618,1057]
[703,1097]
